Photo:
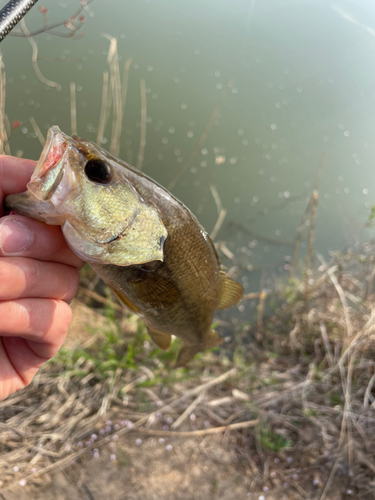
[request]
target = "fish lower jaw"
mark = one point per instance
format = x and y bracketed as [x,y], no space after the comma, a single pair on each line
[87,250]
[65,187]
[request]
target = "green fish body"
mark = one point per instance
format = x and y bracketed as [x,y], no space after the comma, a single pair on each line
[142,241]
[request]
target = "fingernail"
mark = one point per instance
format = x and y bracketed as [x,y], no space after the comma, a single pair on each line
[14,237]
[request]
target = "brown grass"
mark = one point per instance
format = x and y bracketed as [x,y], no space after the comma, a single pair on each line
[297,397]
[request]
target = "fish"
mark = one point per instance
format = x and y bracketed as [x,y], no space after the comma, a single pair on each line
[144,243]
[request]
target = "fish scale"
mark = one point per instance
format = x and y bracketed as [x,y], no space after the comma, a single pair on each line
[143,242]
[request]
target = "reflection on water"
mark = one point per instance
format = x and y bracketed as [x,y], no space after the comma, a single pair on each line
[244,96]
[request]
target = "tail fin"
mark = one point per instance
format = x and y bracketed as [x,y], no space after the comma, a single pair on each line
[188,351]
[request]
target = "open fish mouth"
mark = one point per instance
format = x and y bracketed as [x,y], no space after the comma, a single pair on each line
[53,149]
[48,175]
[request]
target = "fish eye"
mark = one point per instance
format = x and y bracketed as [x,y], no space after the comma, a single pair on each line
[98,171]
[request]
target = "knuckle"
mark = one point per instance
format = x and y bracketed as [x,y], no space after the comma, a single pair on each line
[70,283]
[33,274]
[17,275]
[61,321]
[51,319]
[67,313]
[23,315]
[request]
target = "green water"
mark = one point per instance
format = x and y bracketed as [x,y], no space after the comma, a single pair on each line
[302,81]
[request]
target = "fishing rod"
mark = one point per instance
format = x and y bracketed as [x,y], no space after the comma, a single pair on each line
[12,14]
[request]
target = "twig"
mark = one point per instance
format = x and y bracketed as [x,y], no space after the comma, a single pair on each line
[103,110]
[37,130]
[250,296]
[101,299]
[8,133]
[257,236]
[355,340]
[202,432]
[305,215]
[310,249]
[346,421]
[224,249]
[142,140]
[330,272]
[276,208]
[217,199]
[203,137]
[329,480]
[73,109]
[5,130]
[364,460]
[293,335]
[218,224]
[34,58]
[367,395]
[115,81]
[125,81]
[206,385]
[222,212]
[221,401]
[262,299]
[88,492]
[326,343]
[188,410]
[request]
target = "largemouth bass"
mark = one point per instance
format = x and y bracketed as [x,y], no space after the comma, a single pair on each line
[142,241]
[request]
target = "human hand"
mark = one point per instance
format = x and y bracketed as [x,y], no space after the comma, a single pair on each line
[38,278]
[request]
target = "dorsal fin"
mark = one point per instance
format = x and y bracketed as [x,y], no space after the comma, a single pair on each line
[231,292]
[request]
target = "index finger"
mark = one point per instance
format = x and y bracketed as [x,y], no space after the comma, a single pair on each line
[15,173]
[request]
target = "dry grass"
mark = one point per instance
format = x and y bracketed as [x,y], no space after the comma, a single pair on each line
[330,384]
[297,396]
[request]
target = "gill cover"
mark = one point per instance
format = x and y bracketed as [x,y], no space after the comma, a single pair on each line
[105,223]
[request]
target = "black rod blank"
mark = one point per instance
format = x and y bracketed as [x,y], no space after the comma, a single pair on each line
[12,14]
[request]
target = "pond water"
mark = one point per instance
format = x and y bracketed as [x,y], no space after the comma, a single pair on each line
[242,95]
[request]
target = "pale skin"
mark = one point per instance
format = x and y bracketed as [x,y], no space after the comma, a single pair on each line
[38,279]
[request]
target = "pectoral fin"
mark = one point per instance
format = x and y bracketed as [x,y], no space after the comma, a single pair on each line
[126,302]
[161,339]
[231,292]
[153,290]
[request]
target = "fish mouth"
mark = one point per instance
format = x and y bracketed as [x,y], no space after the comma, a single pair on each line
[49,172]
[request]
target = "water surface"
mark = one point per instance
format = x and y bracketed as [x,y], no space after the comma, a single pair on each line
[281,81]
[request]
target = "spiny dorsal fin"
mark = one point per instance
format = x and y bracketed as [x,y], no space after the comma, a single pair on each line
[231,292]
